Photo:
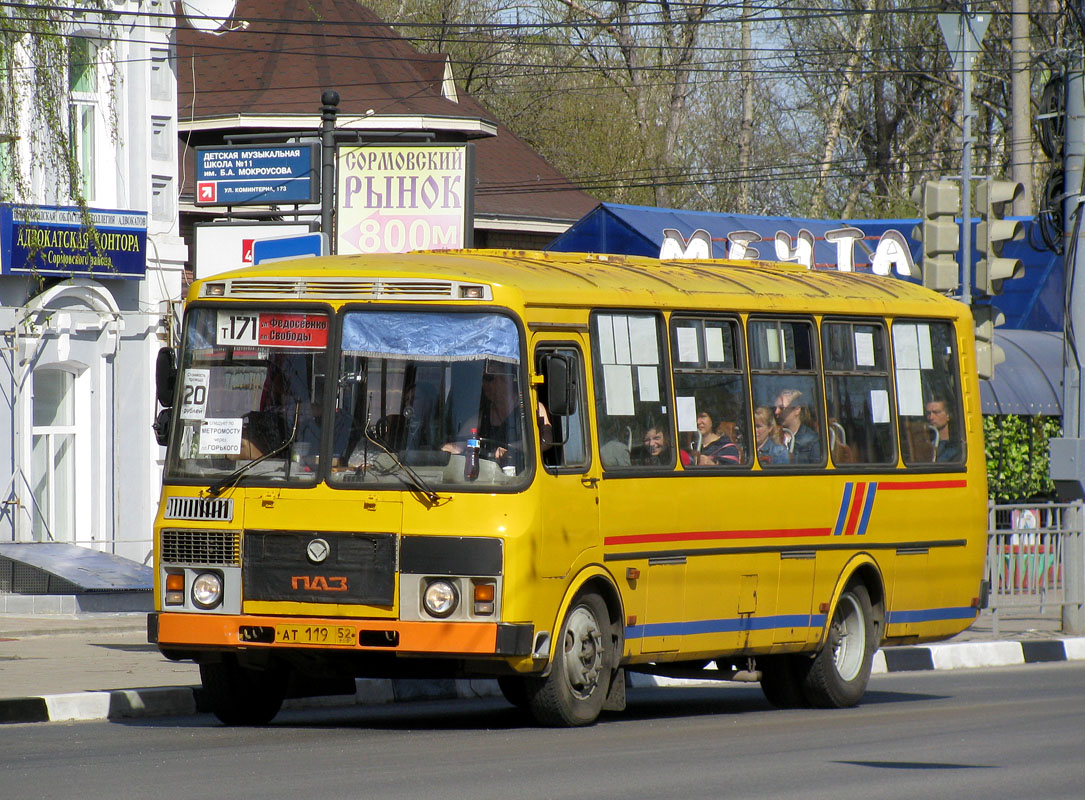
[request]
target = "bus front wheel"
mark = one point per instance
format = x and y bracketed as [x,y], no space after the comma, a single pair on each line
[242,696]
[839,673]
[576,688]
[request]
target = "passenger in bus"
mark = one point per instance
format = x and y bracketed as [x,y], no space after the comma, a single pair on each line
[799,437]
[616,444]
[939,418]
[656,449]
[712,448]
[770,444]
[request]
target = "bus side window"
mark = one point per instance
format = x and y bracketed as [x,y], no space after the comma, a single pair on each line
[710,392]
[632,399]
[859,417]
[928,393]
[784,377]
[565,445]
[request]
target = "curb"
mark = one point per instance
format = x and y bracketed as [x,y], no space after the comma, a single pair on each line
[969,655]
[186,700]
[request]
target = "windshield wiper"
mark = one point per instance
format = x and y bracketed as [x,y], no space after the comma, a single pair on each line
[217,488]
[416,480]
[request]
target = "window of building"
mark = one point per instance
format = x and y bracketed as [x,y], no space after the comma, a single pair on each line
[162,198]
[161,75]
[83,110]
[53,455]
[163,142]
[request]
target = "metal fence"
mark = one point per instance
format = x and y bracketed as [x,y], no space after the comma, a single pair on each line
[1031,550]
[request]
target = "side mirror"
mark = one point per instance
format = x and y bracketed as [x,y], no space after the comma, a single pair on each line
[161,426]
[560,385]
[165,376]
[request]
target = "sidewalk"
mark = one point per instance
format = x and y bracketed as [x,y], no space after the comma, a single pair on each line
[100,666]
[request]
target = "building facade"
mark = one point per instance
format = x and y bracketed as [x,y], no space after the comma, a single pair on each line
[89,293]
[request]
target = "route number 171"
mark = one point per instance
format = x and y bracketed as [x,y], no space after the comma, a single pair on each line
[237,328]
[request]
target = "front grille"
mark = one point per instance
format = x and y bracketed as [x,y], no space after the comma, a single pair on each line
[351,567]
[219,509]
[211,548]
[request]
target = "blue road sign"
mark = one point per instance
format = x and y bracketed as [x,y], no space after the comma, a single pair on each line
[257,175]
[284,247]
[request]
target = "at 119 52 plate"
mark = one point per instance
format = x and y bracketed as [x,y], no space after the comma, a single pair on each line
[331,635]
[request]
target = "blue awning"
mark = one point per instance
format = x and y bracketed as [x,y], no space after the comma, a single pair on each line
[1033,302]
[1029,381]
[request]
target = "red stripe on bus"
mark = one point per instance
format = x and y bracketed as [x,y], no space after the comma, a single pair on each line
[856,508]
[701,536]
[885,486]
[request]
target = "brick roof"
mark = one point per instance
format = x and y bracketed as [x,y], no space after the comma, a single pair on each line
[290,52]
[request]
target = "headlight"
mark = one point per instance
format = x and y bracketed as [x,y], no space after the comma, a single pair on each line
[207,590]
[440,598]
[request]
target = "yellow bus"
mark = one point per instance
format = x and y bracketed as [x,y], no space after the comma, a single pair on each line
[550,469]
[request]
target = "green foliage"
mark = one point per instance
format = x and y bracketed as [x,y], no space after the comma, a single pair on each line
[1017,456]
[36,50]
[852,102]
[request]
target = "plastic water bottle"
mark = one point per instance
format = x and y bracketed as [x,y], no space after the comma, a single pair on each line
[470,457]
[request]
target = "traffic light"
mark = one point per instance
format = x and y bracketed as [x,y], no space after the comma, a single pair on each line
[988,354]
[940,202]
[993,198]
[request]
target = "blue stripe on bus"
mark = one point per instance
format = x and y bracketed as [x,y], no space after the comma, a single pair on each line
[845,504]
[931,615]
[733,625]
[738,624]
[868,506]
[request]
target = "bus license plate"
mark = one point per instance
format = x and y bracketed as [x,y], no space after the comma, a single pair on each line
[329,635]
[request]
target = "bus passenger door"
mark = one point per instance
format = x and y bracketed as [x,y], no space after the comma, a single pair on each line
[567,481]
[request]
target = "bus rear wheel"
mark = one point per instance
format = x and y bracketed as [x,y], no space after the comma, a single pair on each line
[242,696]
[576,688]
[839,673]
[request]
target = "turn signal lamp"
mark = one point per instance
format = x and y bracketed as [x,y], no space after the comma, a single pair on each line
[175,589]
[214,290]
[472,293]
[484,599]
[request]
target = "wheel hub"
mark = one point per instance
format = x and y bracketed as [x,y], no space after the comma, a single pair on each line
[583,652]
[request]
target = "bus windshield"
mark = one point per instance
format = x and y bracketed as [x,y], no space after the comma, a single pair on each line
[421,386]
[410,389]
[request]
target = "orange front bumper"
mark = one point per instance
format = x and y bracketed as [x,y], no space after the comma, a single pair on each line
[224,632]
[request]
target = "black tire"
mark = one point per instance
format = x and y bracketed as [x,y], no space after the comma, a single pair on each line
[782,679]
[241,696]
[839,673]
[573,693]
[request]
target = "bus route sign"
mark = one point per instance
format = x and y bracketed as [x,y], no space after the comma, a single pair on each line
[257,175]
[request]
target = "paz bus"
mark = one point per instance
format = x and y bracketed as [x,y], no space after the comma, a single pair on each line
[550,469]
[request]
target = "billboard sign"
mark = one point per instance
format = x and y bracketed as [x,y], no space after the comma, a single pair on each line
[396,198]
[257,175]
[224,246]
[64,240]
